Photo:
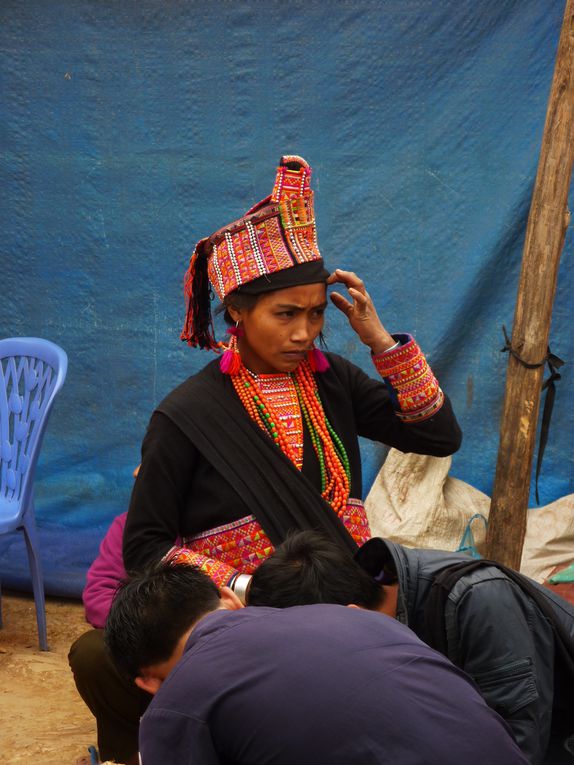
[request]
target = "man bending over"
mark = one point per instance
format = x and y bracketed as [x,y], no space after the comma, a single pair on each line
[307,685]
[488,625]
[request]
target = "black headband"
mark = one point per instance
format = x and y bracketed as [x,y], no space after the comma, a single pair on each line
[311,272]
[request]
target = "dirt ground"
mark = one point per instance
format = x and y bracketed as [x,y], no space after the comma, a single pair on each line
[43,720]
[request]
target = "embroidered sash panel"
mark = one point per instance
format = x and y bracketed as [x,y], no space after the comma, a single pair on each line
[239,547]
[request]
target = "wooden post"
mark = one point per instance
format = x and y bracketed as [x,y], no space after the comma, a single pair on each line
[545,232]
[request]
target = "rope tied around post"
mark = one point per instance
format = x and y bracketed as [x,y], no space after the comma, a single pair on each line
[554,363]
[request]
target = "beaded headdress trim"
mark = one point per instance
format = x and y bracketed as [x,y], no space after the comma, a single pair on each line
[276,234]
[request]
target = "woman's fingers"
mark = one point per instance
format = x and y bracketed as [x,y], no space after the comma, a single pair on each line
[361,313]
[358,309]
[348,278]
[361,301]
[356,287]
[341,303]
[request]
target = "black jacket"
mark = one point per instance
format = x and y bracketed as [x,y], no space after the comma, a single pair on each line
[495,633]
[179,492]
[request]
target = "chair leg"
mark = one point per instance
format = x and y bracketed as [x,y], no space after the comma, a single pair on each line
[31,537]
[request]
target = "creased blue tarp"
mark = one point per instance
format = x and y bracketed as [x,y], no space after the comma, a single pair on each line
[131,129]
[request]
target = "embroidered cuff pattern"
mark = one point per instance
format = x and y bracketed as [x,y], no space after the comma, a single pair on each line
[415,392]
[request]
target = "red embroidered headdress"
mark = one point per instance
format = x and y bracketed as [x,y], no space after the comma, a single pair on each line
[273,246]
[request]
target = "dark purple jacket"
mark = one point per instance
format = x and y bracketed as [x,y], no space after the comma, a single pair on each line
[318,684]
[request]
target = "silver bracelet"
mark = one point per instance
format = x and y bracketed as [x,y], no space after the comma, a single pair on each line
[241,585]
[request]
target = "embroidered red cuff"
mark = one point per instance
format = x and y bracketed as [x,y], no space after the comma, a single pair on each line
[415,392]
[220,573]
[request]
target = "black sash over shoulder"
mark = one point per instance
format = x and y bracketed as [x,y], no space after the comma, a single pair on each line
[206,409]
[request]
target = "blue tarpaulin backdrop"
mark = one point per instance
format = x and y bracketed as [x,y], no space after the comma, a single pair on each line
[131,129]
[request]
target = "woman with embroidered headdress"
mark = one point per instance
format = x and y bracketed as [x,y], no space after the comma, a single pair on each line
[265,438]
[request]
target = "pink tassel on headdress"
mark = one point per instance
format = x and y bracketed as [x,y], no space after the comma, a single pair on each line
[317,360]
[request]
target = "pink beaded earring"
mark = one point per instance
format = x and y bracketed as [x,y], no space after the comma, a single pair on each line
[317,360]
[230,362]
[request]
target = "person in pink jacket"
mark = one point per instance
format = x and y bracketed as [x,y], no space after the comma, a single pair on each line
[104,575]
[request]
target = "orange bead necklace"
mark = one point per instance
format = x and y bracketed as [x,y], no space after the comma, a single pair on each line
[333,461]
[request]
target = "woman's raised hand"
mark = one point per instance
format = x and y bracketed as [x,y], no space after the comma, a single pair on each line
[361,313]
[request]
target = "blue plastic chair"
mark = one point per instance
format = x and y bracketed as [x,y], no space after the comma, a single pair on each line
[32,371]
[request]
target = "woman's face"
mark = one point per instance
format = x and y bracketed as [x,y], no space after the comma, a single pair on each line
[281,327]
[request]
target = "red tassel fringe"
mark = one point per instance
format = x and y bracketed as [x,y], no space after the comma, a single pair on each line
[198,328]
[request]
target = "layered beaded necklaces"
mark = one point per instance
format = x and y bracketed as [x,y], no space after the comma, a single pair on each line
[279,404]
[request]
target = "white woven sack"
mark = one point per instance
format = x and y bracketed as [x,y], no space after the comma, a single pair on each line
[414,502]
[549,540]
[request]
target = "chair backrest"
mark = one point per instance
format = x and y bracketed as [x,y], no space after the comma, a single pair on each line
[32,371]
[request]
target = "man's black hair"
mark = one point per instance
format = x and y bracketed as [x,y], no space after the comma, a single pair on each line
[152,610]
[308,568]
